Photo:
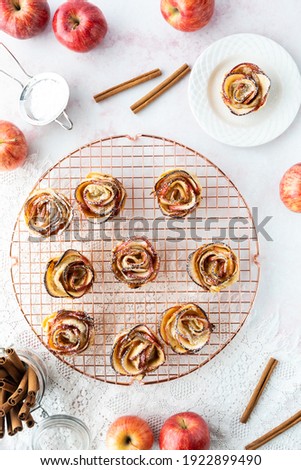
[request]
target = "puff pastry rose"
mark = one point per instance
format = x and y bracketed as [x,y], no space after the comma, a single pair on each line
[136,352]
[214,266]
[68,332]
[185,328]
[245,89]
[69,275]
[178,193]
[135,262]
[100,197]
[47,212]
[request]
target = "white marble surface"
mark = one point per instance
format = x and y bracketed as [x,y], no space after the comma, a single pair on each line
[139,40]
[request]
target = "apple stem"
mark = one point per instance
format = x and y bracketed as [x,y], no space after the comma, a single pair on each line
[183,426]
[16,4]
[11,141]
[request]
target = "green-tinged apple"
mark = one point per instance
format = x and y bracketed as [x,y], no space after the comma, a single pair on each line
[79,25]
[184,431]
[129,433]
[187,15]
[290,188]
[13,146]
[24,19]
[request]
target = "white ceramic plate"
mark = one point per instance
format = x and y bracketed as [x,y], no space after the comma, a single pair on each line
[263,125]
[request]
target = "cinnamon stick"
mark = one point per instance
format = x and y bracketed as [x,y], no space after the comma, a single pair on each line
[295,419]
[30,422]
[30,400]
[15,421]
[9,427]
[20,392]
[3,373]
[33,383]
[13,356]
[128,84]
[7,386]
[265,376]
[161,88]
[10,368]
[24,412]
[2,427]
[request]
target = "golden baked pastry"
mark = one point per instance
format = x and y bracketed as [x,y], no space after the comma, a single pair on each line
[245,89]
[69,275]
[136,352]
[185,328]
[100,197]
[68,332]
[178,193]
[213,266]
[135,262]
[47,212]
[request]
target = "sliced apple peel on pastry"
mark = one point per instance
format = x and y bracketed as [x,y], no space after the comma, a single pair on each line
[136,352]
[135,262]
[68,332]
[213,266]
[69,275]
[100,197]
[178,193]
[185,328]
[47,212]
[245,89]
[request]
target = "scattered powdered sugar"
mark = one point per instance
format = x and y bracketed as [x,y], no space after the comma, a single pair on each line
[45,100]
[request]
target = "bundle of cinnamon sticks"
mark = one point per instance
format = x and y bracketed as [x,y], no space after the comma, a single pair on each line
[18,390]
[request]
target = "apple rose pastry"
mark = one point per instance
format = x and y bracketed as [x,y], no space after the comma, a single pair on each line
[178,193]
[136,352]
[135,262]
[47,212]
[69,275]
[185,328]
[245,89]
[68,332]
[100,197]
[214,266]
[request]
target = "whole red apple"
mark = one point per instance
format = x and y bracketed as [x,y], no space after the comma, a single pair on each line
[79,25]
[184,431]
[13,146]
[129,433]
[24,19]
[290,188]
[187,15]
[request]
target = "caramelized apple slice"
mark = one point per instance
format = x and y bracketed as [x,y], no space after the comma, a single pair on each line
[68,332]
[214,266]
[47,212]
[136,352]
[70,275]
[135,262]
[245,89]
[100,197]
[178,193]
[185,328]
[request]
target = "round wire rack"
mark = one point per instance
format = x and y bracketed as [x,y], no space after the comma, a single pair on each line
[138,162]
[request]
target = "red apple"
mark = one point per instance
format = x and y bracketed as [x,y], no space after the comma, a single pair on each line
[184,431]
[13,146]
[24,19]
[187,15]
[129,433]
[79,25]
[290,188]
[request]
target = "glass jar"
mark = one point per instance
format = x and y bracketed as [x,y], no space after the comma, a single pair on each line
[61,432]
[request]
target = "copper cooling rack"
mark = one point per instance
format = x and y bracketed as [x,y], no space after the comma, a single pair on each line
[138,162]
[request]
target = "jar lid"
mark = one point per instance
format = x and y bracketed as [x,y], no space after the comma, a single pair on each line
[61,432]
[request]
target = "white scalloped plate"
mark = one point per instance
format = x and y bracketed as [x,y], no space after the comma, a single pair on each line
[263,125]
